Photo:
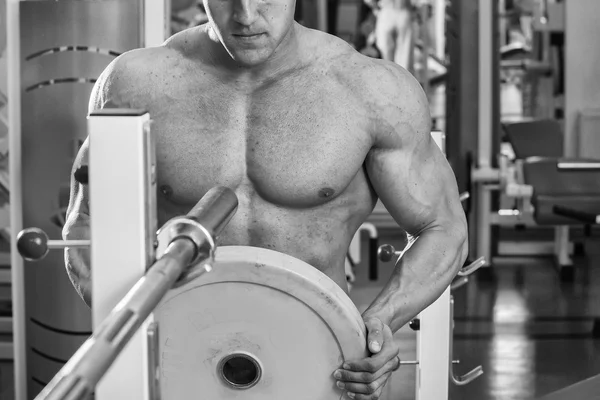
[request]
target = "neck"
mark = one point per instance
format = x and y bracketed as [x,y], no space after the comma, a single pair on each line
[284,57]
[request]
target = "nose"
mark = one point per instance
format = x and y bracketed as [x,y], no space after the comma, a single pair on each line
[245,12]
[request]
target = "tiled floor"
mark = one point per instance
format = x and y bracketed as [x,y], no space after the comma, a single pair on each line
[529,331]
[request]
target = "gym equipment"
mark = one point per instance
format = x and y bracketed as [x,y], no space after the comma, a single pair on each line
[268,324]
[535,182]
[251,302]
[33,244]
[531,138]
[565,193]
[485,176]
[192,245]
[432,362]
[56,50]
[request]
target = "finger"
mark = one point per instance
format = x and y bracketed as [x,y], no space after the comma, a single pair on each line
[360,396]
[374,334]
[365,388]
[375,362]
[362,376]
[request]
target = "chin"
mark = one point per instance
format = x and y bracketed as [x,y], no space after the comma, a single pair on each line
[251,58]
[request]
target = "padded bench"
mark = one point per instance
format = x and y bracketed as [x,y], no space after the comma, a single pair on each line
[556,196]
[535,138]
[556,191]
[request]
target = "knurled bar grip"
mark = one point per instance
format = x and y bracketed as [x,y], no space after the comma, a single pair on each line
[78,378]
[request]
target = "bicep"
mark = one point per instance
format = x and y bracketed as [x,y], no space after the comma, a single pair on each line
[408,171]
[416,184]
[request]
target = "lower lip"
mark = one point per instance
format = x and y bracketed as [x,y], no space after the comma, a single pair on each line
[249,38]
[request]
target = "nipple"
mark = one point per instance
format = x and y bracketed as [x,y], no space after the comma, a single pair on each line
[166,190]
[326,192]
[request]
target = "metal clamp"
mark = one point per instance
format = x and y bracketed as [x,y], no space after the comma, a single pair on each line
[469,376]
[183,226]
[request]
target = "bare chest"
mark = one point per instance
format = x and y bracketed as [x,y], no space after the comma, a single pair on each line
[293,146]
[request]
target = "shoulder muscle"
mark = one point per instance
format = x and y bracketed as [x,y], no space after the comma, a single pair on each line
[126,78]
[401,108]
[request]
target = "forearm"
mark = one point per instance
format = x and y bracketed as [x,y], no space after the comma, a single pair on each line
[77,260]
[420,277]
[79,273]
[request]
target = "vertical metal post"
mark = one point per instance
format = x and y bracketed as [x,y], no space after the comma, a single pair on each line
[462,101]
[322,15]
[425,50]
[16,204]
[439,16]
[582,85]
[485,124]
[123,228]
[561,246]
[433,338]
[433,350]
[156,14]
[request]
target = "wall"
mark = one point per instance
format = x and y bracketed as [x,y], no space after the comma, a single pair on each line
[582,72]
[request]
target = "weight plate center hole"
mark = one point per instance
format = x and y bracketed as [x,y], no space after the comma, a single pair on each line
[240,371]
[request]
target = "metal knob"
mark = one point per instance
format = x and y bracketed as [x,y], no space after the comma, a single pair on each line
[386,252]
[81,175]
[33,244]
[415,324]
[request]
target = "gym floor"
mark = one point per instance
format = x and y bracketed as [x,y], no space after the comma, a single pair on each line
[530,331]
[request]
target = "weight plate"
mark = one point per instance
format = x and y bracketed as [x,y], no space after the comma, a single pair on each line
[261,325]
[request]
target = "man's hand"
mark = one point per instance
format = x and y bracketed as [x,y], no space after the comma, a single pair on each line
[365,379]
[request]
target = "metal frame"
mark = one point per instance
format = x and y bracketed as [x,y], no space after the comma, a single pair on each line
[485,125]
[129,375]
[433,350]
[155,14]
[16,208]
[322,15]
[433,337]
[128,141]
[507,178]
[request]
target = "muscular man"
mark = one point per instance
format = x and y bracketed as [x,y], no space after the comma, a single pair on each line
[309,133]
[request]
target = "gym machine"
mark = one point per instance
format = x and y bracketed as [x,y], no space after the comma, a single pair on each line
[490,176]
[124,356]
[53,319]
[56,51]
